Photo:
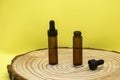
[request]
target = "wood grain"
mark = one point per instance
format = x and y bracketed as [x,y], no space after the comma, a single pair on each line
[34,66]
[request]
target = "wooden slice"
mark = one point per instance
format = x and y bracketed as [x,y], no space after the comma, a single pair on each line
[34,66]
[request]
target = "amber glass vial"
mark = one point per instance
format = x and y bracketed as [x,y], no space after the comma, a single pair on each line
[77,48]
[52,44]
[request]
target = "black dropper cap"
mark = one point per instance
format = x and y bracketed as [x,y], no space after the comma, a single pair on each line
[93,64]
[52,31]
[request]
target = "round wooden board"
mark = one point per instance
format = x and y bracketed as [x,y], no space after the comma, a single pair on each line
[34,66]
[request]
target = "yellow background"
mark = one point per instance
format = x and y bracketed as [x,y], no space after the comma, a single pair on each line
[24,25]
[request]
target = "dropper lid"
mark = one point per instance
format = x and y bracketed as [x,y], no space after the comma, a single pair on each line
[52,31]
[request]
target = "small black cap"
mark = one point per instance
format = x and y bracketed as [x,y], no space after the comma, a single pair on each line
[77,33]
[93,64]
[52,31]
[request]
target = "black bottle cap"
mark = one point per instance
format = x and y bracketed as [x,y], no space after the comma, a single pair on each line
[93,64]
[77,33]
[52,31]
